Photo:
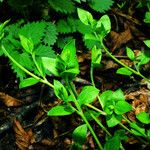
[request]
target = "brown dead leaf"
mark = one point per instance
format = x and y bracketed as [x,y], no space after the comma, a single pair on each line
[10,101]
[139,100]
[24,139]
[117,39]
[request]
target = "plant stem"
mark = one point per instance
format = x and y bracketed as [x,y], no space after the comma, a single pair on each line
[100,124]
[119,62]
[73,93]
[25,70]
[91,75]
[96,109]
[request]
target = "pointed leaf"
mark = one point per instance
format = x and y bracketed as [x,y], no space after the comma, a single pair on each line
[85,16]
[122,107]
[60,90]
[130,53]
[28,82]
[79,134]
[61,110]
[51,65]
[87,95]
[143,117]
[124,71]
[26,43]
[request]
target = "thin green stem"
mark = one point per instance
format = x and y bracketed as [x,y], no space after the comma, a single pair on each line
[96,109]
[91,75]
[100,124]
[37,66]
[73,93]
[119,62]
[25,70]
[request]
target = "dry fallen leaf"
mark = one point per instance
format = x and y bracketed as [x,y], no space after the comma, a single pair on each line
[117,39]
[10,101]
[139,100]
[24,139]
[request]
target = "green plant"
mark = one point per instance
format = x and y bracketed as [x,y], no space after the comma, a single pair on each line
[33,59]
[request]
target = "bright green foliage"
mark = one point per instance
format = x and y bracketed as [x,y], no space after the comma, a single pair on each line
[96,56]
[85,16]
[101,5]
[64,6]
[124,71]
[28,82]
[67,25]
[147,17]
[87,95]
[138,129]
[79,136]
[114,105]
[130,53]
[60,90]
[113,142]
[35,39]
[143,117]
[65,65]
[147,43]
[27,44]
[61,110]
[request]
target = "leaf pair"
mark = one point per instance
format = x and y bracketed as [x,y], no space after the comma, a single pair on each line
[65,65]
[114,105]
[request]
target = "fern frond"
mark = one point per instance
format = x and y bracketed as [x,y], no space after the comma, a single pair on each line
[50,36]
[62,41]
[34,30]
[101,5]
[67,25]
[44,51]
[63,6]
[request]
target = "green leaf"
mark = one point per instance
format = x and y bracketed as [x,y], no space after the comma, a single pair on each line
[34,30]
[63,6]
[28,82]
[124,71]
[105,97]
[44,51]
[143,58]
[60,90]
[122,107]
[147,43]
[61,110]
[113,120]
[137,130]
[69,61]
[130,53]
[101,5]
[87,95]
[85,16]
[69,54]
[147,17]
[118,95]
[113,143]
[79,134]
[51,65]
[27,44]
[50,34]
[104,24]
[96,56]
[143,117]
